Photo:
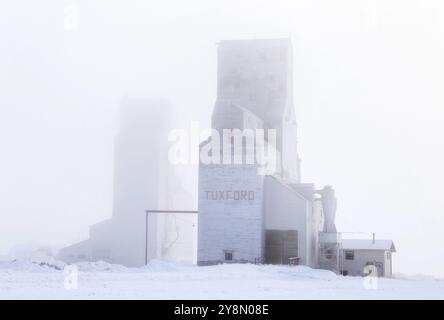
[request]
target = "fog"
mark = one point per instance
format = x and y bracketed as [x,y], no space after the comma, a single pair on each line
[368,79]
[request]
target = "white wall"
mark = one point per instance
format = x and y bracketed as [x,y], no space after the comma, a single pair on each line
[286,209]
[356,266]
[229,224]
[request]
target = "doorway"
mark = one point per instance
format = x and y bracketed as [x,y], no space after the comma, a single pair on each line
[280,246]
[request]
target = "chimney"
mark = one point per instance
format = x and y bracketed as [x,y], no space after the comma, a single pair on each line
[373,238]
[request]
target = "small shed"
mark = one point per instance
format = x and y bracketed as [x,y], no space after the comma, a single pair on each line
[358,254]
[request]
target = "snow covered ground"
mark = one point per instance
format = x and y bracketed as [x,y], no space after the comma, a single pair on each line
[163,280]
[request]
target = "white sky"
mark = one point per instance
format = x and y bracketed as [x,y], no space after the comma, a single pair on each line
[369,79]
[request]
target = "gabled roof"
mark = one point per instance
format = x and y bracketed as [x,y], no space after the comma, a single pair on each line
[364,244]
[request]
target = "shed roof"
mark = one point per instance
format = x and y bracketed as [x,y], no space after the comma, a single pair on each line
[364,244]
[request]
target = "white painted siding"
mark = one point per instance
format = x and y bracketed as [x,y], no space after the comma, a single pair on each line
[229,224]
[286,209]
[356,266]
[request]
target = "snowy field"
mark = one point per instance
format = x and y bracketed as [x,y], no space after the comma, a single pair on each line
[162,280]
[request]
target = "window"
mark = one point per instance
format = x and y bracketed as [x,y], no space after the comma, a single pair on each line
[344,272]
[228,256]
[349,255]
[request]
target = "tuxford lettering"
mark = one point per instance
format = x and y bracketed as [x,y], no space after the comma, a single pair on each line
[229,195]
[182,309]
